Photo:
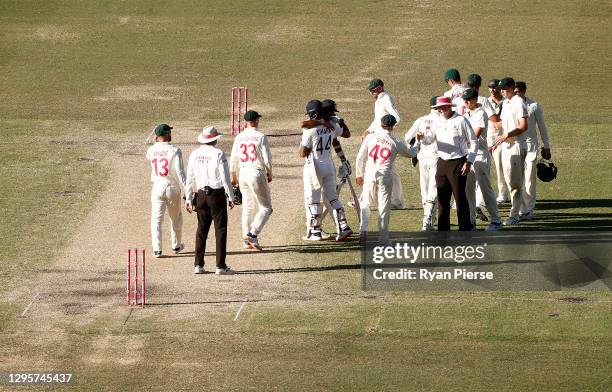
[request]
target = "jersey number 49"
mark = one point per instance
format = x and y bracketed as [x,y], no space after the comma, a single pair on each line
[379,154]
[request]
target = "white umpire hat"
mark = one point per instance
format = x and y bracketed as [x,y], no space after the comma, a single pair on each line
[209,135]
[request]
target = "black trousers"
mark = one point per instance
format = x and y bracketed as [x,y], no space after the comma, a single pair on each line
[211,207]
[449,181]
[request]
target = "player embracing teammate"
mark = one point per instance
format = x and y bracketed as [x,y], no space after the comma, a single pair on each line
[318,134]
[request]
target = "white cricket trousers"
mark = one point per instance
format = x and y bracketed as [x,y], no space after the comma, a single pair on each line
[530,164]
[512,164]
[256,201]
[479,177]
[429,190]
[397,195]
[502,188]
[384,187]
[326,174]
[164,195]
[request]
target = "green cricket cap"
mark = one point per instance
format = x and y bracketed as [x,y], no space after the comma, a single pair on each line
[506,82]
[388,120]
[433,100]
[251,115]
[162,129]
[452,74]
[375,83]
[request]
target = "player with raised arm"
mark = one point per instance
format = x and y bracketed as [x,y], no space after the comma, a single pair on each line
[374,167]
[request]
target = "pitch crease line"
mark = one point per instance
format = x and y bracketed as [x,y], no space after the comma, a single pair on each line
[240,310]
[29,305]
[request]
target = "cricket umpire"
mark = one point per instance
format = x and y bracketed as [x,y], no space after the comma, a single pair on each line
[208,173]
[457,147]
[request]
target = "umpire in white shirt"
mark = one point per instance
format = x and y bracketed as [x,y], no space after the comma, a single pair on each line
[457,146]
[208,173]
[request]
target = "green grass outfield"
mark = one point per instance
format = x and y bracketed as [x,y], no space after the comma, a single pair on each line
[80,79]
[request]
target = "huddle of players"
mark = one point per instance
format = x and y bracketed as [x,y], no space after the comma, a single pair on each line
[501,126]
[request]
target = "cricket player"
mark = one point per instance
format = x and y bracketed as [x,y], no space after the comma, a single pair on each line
[385,104]
[514,123]
[329,113]
[481,169]
[320,171]
[493,108]
[452,77]
[428,161]
[168,177]
[252,159]
[529,144]
[374,168]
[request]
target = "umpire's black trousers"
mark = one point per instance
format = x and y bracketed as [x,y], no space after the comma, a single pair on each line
[211,205]
[449,181]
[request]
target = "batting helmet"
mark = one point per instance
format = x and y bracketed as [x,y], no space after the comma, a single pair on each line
[237,195]
[314,109]
[547,171]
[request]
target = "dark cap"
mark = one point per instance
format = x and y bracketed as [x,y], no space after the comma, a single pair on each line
[329,104]
[162,129]
[452,74]
[474,80]
[375,83]
[432,100]
[521,86]
[469,94]
[506,82]
[493,83]
[251,115]
[388,120]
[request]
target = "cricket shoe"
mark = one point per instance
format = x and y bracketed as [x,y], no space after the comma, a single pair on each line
[324,235]
[481,215]
[313,236]
[344,234]
[157,254]
[494,226]
[252,240]
[512,221]
[528,216]
[427,226]
[198,270]
[178,249]
[225,271]
[246,244]
[501,200]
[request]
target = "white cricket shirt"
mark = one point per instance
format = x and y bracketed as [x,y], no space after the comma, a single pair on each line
[251,152]
[385,104]
[166,163]
[208,167]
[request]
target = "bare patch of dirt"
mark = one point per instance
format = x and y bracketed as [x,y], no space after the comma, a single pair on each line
[141,93]
[53,33]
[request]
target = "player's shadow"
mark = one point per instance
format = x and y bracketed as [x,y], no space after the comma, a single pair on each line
[357,266]
[550,215]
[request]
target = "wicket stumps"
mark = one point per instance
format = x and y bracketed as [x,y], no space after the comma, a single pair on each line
[239,102]
[136,285]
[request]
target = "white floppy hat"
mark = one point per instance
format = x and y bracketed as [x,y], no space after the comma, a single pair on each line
[209,135]
[443,101]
